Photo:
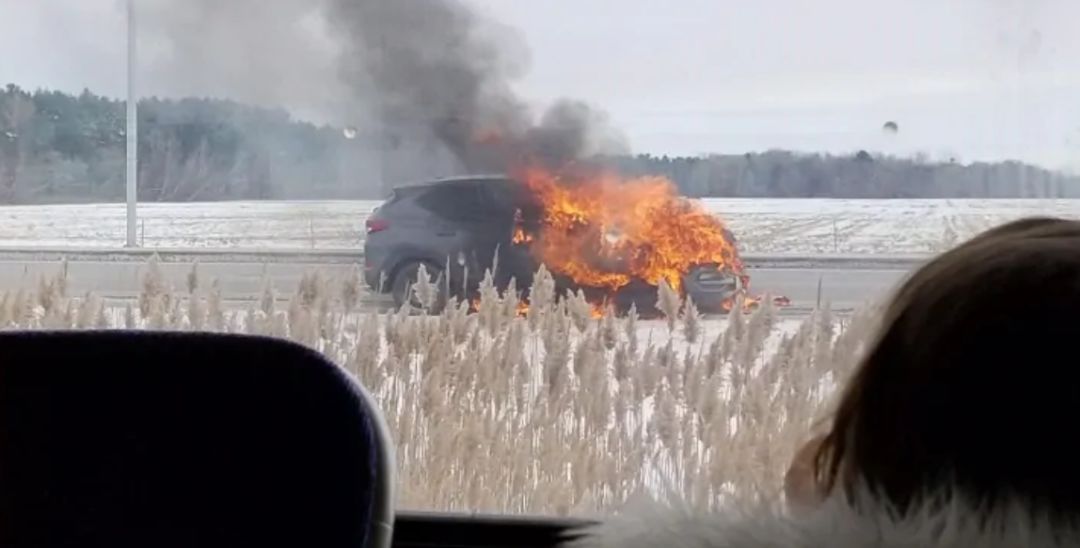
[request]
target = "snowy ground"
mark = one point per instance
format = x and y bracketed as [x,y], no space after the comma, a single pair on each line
[762,225]
[286,225]
[871,226]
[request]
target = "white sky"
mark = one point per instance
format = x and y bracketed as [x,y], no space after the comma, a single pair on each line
[974,79]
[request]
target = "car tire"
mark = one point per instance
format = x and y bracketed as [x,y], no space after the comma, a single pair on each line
[405,277]
[716,293]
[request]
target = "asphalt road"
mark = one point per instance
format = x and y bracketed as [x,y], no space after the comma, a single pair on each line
[844,289]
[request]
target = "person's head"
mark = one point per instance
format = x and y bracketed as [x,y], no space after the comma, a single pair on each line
[972,387]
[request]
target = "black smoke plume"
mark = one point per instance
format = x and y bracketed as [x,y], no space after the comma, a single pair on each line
[428,84]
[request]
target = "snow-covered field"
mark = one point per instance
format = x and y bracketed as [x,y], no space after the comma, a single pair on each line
[762,225]
[300,225]
[871,226]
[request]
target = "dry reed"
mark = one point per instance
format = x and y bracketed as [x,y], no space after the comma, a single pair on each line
[555,412]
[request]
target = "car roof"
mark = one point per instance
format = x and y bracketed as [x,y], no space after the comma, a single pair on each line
[482,178]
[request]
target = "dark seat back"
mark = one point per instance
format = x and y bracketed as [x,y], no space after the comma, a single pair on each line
[160,440]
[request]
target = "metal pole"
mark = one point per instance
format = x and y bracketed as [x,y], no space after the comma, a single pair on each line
[132,128]
[384,138]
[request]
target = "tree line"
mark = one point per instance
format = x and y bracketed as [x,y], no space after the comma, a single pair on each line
[59,147]
[785,174]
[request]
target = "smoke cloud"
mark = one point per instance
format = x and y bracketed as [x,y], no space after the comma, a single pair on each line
[427,84]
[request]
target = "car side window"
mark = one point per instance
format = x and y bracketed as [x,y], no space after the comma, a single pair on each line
[502,195]
[460,202]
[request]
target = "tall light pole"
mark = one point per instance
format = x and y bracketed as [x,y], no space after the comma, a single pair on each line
[384,138]
[132,127]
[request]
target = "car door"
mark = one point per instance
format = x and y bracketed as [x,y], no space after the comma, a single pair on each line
[491,225]
[508,198]
[464,227]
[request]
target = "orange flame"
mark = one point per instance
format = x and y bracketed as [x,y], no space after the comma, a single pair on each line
[604,231]
[596,311]
[520,235]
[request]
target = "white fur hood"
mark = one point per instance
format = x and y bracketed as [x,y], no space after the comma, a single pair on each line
[833,525]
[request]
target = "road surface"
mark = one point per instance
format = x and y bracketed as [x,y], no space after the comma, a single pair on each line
[844,289]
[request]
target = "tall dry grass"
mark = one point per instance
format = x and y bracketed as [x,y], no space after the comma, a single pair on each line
[554,412]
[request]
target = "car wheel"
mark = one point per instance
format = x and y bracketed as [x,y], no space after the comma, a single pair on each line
[711,287]
[405,278]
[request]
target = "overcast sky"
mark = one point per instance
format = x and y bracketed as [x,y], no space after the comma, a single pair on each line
[972,79]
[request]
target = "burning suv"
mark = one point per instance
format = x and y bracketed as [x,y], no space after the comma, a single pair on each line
[458,228]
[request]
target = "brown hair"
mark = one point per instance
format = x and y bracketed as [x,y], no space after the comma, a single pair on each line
[973,383]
